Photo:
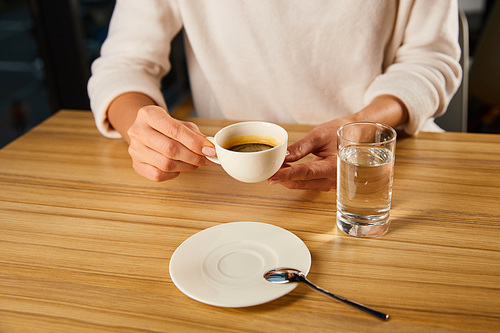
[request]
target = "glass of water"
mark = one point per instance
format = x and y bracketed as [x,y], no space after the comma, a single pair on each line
[365,169]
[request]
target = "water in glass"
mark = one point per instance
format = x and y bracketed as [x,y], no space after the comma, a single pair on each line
[364,189]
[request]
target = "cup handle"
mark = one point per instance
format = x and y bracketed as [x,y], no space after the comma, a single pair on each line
[214,158]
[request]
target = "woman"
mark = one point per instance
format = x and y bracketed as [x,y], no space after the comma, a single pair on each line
[324,63]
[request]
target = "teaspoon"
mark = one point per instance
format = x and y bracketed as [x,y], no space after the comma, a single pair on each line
[286,275]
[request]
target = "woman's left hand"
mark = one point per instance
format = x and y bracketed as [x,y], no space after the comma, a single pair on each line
[319,174]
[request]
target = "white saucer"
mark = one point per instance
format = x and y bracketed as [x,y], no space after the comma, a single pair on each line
[224,265]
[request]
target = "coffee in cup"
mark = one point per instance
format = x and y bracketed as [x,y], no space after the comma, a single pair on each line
[250,151]
[251,143]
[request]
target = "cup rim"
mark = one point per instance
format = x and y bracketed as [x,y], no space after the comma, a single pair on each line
[284,142]
[392,130]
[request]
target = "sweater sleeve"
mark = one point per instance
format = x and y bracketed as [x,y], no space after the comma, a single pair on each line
[423,69]
[134,57]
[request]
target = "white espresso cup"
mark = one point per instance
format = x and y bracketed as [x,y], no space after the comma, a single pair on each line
[253,166]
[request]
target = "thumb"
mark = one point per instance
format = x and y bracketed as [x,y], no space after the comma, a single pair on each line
[301,148]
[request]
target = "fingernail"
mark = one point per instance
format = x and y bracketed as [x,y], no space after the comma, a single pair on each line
[274,181]
[287,153]
[208,151]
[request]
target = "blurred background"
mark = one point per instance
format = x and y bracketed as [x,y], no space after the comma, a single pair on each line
[47,46]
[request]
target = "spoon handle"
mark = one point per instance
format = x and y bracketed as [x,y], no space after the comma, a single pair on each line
[370,311]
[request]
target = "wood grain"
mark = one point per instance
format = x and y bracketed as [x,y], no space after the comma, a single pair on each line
[85,243]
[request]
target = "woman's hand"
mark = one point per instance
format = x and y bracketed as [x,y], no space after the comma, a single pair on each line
[319,174]
[161,147]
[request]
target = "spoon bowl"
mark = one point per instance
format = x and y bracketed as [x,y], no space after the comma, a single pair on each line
[287,275]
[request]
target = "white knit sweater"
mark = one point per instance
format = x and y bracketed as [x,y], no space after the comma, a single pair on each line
[290,61]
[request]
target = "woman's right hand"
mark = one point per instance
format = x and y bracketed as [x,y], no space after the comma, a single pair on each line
[162,147]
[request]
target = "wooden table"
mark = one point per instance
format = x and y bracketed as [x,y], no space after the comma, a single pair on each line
[85,243]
